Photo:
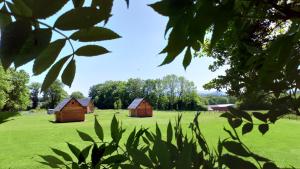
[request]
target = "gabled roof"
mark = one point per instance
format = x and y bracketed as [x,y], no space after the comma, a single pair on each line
[61,105]
[135,103]
[83,102]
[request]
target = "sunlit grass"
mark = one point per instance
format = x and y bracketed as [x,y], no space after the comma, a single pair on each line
[28,135]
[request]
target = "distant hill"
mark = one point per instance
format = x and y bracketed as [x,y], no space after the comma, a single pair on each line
[212,93]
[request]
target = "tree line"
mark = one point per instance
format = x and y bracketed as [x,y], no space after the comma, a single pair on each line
[168,93]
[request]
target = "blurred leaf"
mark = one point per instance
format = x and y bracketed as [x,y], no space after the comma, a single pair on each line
[114,129]
[161,150]
[236,148]
[22,8]
[40,11]
[37,41]
[161,7]
[91,50]
[129,166]
[98,130]
[247,128]
[236,162]
[260,116]
[48,56]
[263,128]
[4,19]
[115,159]
[88,17]
[13,37]
[270,165]
[105,7]
[187,58]
[53,73]
[140,158]
[85,137]
[94,34]
[69,73]
[64,155]
[78,3]
[52,161]
[235,122]
[97,154]
[84,154]
[158,132]
[74,149]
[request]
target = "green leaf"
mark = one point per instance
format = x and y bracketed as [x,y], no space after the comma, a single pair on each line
[40,11]
[235,122]
[85,137]
[169,133]
[263,128]
[13,37]
[64,155]
[187,58]
[115,159]
[161,150]
[130,138]
[84,154]
[37,41]
[270,165]
[105,7]
[114,128]
[4,19]
[69,73]
[247,128]
[98,130]
[97,154]
[88,16]
[22,8]
[129,166]
[91,50]
[48,56]
[74,149]
[78,3]
[158,132]
[53,73]
[52,160]
[161,7]
[94,34]
[140,157]
[236,162]
[260,116]
[236,148]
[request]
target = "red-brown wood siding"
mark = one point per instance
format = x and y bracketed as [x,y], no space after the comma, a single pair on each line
[143,110]
[72,112]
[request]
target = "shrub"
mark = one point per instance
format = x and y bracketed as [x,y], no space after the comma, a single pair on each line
[145,149]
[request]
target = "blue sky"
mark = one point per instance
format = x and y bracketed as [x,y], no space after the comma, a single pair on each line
[135,55]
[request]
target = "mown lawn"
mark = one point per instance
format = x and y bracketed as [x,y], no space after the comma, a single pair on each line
[24,137]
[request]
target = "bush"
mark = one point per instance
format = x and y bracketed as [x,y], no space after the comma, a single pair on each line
[145,149]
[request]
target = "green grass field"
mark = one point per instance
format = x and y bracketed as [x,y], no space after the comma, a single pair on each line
[24,137]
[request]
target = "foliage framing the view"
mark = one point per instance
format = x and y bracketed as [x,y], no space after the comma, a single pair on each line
[258,39]
[145,149]
[26,35]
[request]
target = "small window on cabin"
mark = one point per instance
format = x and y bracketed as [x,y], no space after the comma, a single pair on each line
[72,102]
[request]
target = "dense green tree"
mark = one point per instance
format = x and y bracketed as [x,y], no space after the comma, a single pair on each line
[35,89]
[77,95]
[54,94]
[18,96]
[5,87]
[118,104]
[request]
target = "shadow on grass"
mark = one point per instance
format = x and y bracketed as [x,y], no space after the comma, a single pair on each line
[7,116]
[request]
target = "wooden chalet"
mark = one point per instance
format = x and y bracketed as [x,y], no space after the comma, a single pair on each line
[140,108]
[73,110]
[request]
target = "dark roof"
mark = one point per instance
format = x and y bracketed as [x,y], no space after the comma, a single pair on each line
[135,103]
[83,102]
[61,105]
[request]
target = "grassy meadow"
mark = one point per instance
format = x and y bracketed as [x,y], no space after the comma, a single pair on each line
[24,137]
